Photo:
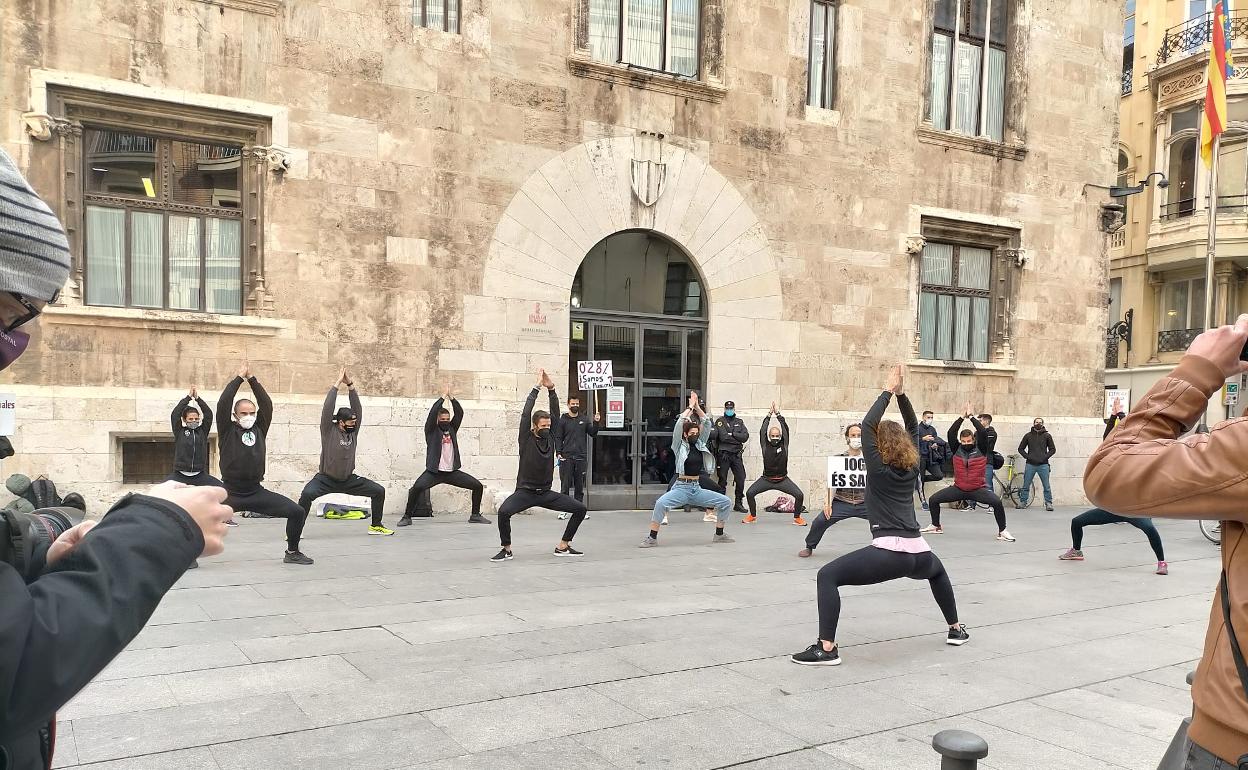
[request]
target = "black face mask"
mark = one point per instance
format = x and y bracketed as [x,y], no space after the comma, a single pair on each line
[692,438]
[1038,428]
[574,410]
[349,429]
[542,433]
[967,447]
[444,426]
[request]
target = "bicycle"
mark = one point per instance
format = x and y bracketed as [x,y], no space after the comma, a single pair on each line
[1212,530]
[1011,488]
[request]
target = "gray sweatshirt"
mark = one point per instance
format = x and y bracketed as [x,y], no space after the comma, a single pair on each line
[338,448]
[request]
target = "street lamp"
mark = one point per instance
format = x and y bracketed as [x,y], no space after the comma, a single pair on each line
[1113,213]
[1122,192]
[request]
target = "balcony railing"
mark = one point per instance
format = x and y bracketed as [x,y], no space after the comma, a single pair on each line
[1128,79]
[1194,34]
[1176,339]
[1183,208]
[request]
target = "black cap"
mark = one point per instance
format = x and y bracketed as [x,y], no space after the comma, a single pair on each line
[729,405]
[344,415]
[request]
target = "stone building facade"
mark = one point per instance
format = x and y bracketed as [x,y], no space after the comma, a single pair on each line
[412,191]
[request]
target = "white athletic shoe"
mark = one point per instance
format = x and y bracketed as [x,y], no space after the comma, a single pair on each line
[563,516]
[710,517]
[665,519]
[1005,536]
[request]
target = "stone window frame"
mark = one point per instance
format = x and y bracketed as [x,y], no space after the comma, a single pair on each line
[708,86]
[1007,260]
[826,100]
[1013,143]
[69,108]
[421,8]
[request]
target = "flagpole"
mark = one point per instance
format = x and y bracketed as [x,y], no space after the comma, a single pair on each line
[1210,255]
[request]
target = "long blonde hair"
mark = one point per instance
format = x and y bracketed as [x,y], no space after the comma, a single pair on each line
[896,445]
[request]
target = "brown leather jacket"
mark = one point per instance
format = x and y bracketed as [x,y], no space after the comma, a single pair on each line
[1143,469]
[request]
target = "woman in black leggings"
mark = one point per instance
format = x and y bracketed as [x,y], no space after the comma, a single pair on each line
[897,549]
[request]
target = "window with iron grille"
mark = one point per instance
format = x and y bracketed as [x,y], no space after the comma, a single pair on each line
[968,67]
[437,14]
[149,459]
[163,225]
[659,35]
[955,299]
[821,63]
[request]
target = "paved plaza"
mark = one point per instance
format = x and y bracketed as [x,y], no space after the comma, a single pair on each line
[415,652]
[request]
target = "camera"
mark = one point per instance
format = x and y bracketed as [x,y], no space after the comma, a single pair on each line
[25,537]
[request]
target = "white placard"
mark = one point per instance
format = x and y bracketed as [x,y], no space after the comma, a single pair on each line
[1117,396]
[594,375]
[615,407]
[845,472]
[8,414]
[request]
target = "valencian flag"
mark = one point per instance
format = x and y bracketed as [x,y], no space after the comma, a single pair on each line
[1213,122]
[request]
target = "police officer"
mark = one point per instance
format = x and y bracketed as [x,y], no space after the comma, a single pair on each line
[728,440]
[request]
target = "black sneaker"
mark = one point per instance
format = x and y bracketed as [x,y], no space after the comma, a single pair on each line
[958,636]
[296,557]
[739,508]
[569,551]
[815,655]
[502,555]
[477,518]
[406,521]
[194,564]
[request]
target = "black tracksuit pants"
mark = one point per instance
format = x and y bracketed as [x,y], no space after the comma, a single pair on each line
[982,495]
[841,510]
[353,485]
[524,499]
[430,479]
[871,565]
[257,499]
[731,461]
[784,485]
[572,476]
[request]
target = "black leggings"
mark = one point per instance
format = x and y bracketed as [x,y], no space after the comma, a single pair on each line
[871,565]
[201,479]
[982,495]
[524,499]
[784,485]
[1098,516]
[257,499]
[353,485]
[430,479]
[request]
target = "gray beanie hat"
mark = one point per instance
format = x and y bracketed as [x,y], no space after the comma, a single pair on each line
[34,254]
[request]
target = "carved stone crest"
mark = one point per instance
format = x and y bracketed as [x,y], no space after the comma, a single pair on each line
[649,175]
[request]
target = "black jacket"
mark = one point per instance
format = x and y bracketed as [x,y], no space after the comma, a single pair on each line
[58,632]
[243,451]
[1037,448]
[190,447]
[775,458]
[537,456]
[571,435]
[991,433]
[890,491]
[433,435]
[729,436]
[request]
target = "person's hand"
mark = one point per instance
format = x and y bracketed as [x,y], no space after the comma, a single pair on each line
[597,417]
[1222,346]
[966,410]
[67,542]
[773,407]
[1117,407]
[446,392]
[205,505]
[827,511]
[194,392]
[929,439]
[693,399]
[245,371]
[546,382]
[894,379]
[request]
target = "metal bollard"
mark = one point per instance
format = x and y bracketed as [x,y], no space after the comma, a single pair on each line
[959,750]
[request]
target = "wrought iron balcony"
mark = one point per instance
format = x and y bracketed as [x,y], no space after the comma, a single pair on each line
[1128,79]
[1176,340]
[1194,34]
[1177,209]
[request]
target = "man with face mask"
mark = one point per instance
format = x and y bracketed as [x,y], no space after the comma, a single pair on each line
[969,460]
[727,442]
[845,503]
[932,452]
[536,474]
[572,433]
[775,443]
[1037,449]
[86,596]
[339,438]
[242,446]
[191,425]
[442,460]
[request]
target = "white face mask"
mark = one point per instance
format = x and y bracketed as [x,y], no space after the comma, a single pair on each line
[855,443]
[247,422]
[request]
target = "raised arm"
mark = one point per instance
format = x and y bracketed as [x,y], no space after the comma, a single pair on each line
[784,429]
[678,430]
[206,420]
[225,404]
[981,435]
[526,415]
[263,403]
[431,422]
[907,413]
[327,410]
[952,435]
[175,419]
[870,424]
[353,397]
[554,404]
[762,432]
[457,415]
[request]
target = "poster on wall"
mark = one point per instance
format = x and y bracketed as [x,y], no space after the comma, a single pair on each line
[1117,400]
[8,414]
[615,407]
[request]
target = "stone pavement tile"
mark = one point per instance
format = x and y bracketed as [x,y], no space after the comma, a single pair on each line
[822,716]
[1190,634]
[528,718]
[1171,676]
[177,613]
[704,739]
[1059,630]
[691,653]
[1094,739]
[187,759]
[172,660]
[434,656]
[450,629]
[410,611]
[957,689]
[66,748]
[662,606]
[327,586]
[119,696]
[889,751]
[665,695]
[225,609]
[327,672]
[806,759]
[785,674]
[377,640]
[401,695]
[372,743]
[531,675]
[542,755]
[1176,700]
[1090,706]
[180,727]
[1082,663]
[215,631]
[1008,749]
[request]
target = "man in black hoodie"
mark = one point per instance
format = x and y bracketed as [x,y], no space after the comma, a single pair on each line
[572,433]
[191,425]
[535,475]
[728,440]
[1037,449]
[775,476]
[442,461]
[242,441]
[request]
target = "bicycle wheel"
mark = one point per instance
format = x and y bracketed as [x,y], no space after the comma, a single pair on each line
[1212,530]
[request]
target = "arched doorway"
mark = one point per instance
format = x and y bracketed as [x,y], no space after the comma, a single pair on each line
[638,301]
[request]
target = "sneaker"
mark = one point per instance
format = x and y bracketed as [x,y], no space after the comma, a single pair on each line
[477,518]
[502,555]
[1005,536]
[798,521]
[722,539]
[406,521]
[648,542]
[296,557]
[924,506]
[739,508]
[1020,505]
[1048,506]
[815,655]
[749,519]
[805,553]
[932,530]
[377,529]
[569,551]
[958,636]
[710,517]
[194,564]
[1163,568]
[231,523]
[564,515]
[665,519]
[1072,555]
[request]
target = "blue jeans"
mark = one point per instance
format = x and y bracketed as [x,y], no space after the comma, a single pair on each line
[692,494]
[988,476]
[1029,475]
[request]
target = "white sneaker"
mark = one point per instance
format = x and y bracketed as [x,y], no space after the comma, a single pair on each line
[709,516]
[1005,536]
[563,516]
[665,519]
[932,530]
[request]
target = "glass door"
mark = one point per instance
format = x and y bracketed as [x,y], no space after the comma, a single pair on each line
[612,472]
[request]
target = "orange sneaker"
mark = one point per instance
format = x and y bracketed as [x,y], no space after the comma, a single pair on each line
[749,519]
[798,521]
